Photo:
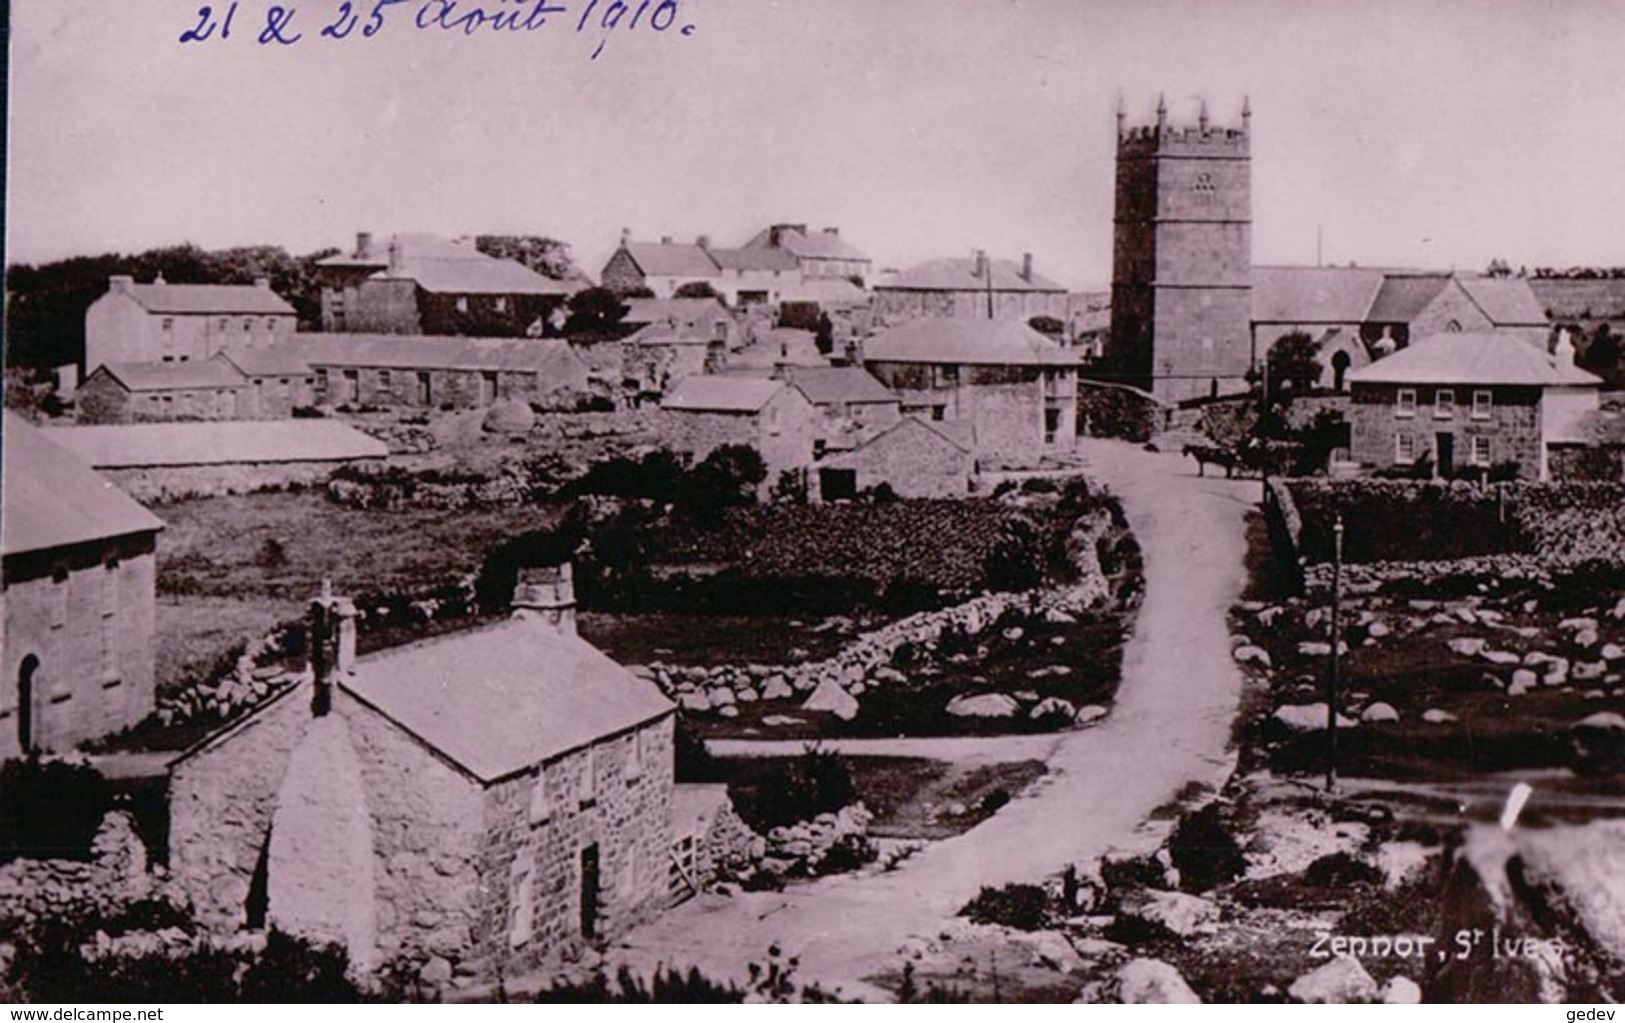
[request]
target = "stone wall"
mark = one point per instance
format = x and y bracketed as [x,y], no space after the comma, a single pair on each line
[173,483]
[615,795]
[84,616]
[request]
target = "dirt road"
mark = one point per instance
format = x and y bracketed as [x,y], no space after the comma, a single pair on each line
[1170,726]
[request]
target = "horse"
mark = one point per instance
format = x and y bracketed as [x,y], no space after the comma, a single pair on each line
[1206,456]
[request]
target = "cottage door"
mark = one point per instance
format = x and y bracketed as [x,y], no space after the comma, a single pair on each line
[589,892]
[1444,454]
[25,704]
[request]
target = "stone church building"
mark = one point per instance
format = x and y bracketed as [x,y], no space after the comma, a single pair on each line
[472,806]
[1182,261]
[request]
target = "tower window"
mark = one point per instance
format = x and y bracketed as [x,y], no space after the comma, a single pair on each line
[1203,183]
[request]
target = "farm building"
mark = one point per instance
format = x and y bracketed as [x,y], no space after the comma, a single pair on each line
[851,399]
[135,392]
[441,372]
[977,288]
[914,457]
[423,284]
[1017,388]
[165,461]
[704,413]
[1469,400]
[79,576]
[162,322]
[474,806]
[820,255]
[662,266]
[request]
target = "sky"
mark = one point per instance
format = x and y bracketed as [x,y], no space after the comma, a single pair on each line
[1433,134]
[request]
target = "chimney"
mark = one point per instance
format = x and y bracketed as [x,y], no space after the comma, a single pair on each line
[1027,267]
[331,643]
[626,237]
[159,279]
[665,239]
[394,256]
[263,283]
[703,241]
[547,595]
[363,243]
[833,231]
[981,264]
[120,283]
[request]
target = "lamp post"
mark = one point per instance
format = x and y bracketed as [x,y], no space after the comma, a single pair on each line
[1337,639]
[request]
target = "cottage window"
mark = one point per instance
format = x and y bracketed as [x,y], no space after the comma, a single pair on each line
[224,323]
[587,780]
[59,597]
[462,303]
[1481,404]
[541,807]
[248,324]
[1404,448]
[321,381]
[1405,405]
[1444,404]
[950,374]
[501,303]
[168,324]
[270,324]
[383,380]
[634,757]
[1481,451]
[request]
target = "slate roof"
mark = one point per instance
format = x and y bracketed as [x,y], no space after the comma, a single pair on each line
[960,275]
[1472,359]
[721,394]
[51,499]
[1402,297]
[1313,294]
[682,310]
[831,291]
[209,299]
[280,361]
[445,267]
[500,699]
[808,244]
[144,445]
[977,342]
[755,259]
[173,376]
[548,357]
[849,385]
[1507,301]
[958,433]
[658,259]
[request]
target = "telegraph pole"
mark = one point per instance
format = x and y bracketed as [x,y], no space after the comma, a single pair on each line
[1337,638]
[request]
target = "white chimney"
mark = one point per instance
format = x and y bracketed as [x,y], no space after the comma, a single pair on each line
[363,242]
[548,596]
[263,283]
[394,256]
[626,237]
[120,283]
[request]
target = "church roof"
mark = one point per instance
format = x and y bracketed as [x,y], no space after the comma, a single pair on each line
[1313,294]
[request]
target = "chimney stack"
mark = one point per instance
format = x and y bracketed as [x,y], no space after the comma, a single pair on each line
[703,241]
[394,256]
[1027,267]
[120,283]
[833,231]
[159,279]
[363,243]
[263,283]
[665,239]
[626,237]
[981,264]
[548,596]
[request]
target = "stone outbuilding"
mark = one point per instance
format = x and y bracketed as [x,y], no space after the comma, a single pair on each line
[474,806]
[80,572]
[703,413]
[914,457]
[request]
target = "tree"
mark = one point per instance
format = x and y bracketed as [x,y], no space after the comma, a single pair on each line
[593,311]
[1294,362]
[1498,268]
[727,478]
[546,256]
[695,289]
[824,335]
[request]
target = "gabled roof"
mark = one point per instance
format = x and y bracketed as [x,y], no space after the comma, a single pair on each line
[547,357]
[1507,301]
[173,376]
[280,361]
[746,395]
[146,445]
[663,259]
[51,499]
[848,385]
[503,698]
[687,311]
[207,299]
[1402,297]
[829,291]
[959,434]
[445,267]
[667,333]
[961,275]
[1473,359]
[755,259]
[808,244]
[976,342]
[1313,294]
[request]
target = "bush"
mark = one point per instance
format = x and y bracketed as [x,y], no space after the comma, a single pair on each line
[1341,870]
[50,809]
[727,478]
[792,791]
[1025,907]
[1204,851]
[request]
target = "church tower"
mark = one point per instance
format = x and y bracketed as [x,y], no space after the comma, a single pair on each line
[1182,260]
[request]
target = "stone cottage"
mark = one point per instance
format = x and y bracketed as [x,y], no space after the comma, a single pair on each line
[151,392]
[914,457]
[79,570]
[977,288]
[1016,388]
[703,413]
[474,806]
[1475,400]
